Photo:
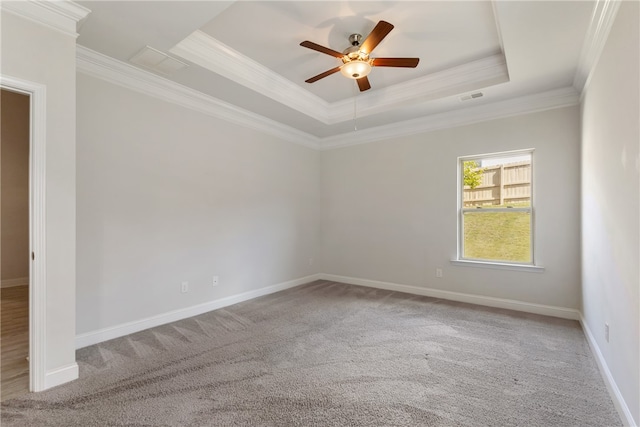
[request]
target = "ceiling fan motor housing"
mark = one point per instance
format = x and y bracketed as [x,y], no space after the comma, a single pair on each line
[356,63]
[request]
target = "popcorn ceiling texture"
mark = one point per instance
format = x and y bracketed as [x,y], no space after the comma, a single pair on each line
[330,354]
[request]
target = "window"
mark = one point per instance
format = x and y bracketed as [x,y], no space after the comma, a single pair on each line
[495,221]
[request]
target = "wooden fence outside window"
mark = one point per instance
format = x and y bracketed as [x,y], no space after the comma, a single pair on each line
[506,184]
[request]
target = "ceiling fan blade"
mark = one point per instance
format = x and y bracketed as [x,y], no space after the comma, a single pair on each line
[375,37]
[396,62]
[323,75]
[322,49]
[363,83]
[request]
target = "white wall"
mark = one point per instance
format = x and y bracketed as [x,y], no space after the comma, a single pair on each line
[610,200]
[14,193]
[38,54]
[166,195]
[389,208]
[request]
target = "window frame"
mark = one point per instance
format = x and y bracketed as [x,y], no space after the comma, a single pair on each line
[461,260]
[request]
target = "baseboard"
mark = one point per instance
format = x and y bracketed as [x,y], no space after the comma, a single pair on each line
[614,391]
[95,337]
[61,375]
[10,283]
[547,310]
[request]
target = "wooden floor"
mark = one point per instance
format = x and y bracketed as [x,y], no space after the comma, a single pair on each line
[14,341]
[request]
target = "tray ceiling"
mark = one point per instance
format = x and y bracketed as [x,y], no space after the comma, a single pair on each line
[247,53]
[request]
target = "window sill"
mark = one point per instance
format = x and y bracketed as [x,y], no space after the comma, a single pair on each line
[498,265]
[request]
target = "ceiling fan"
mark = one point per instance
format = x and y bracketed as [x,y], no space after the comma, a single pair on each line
[356,63]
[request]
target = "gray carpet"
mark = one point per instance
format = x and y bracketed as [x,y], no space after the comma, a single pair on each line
[329,354]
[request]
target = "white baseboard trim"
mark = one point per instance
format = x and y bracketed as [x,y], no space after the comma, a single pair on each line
[614,391]
[95,337]
[547,310]
[61,375]
[10,283]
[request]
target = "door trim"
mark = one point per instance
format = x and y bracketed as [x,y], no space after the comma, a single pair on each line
[37,226]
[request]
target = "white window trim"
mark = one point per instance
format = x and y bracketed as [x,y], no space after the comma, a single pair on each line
[496,264]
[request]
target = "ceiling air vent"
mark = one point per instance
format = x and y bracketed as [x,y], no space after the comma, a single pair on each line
[471,96]
[157,61]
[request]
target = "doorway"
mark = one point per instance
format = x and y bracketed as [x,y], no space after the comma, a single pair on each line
[14,243]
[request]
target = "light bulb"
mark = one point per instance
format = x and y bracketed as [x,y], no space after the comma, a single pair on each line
[356,69]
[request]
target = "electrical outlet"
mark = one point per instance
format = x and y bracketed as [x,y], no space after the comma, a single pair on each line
[184,287]
[606,332]
[438,272]
[215,281]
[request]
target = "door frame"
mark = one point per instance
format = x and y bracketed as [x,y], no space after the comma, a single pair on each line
[37,225]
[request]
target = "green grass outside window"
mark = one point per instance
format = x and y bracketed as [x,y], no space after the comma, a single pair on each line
[498,236]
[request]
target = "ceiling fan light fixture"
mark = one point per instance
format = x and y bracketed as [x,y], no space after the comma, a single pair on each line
[355,59]
[356,69]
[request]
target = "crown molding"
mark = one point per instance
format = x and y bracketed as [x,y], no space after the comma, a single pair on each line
[204,50]
[453,81]
[120,73]
[112,70]
[556,98]
[602,18]
[62,16]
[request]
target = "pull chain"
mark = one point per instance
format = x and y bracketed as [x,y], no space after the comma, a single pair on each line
[355,94]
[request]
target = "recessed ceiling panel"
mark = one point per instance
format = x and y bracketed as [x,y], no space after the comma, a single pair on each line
[441,34]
